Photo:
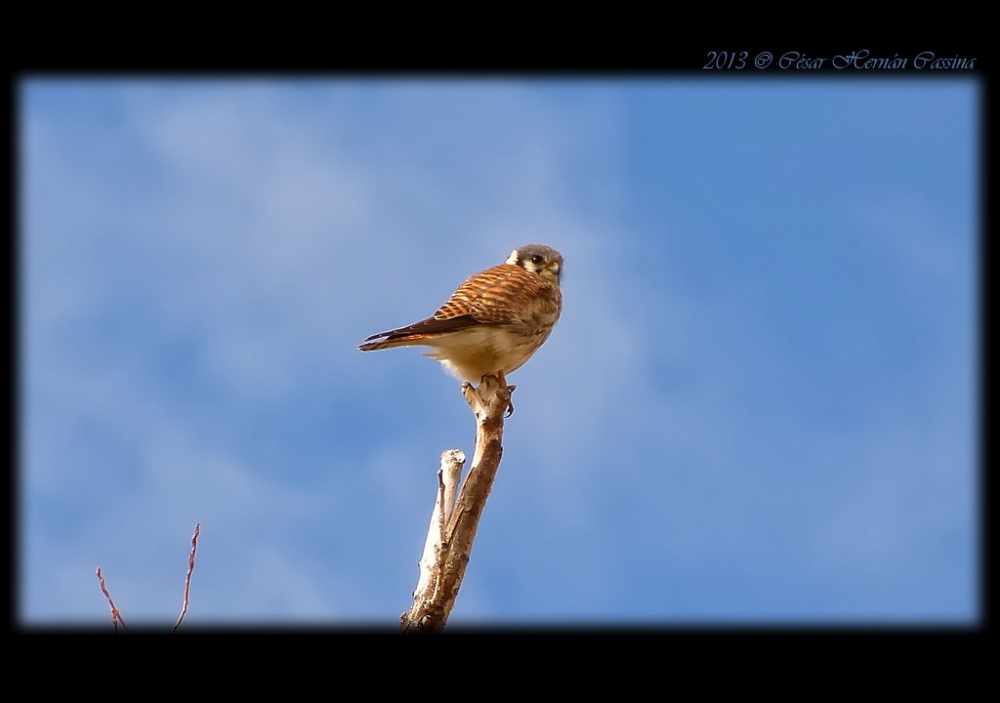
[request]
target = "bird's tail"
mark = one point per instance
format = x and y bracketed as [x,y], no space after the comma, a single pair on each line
[392,341]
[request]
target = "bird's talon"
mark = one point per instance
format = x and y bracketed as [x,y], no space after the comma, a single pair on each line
[510,389]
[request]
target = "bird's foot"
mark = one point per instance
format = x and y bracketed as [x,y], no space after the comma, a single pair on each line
[510,403]
[502,380]
[510,389]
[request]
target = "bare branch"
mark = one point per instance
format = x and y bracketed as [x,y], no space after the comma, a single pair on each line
[452,461]
[439,581]
[116,616]
[187,579]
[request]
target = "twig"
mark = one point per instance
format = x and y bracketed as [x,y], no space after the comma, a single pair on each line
[187,579]
[116,616]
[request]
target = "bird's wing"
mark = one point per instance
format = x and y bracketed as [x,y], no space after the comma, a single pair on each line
[425,328]
[491,297]
[495,296]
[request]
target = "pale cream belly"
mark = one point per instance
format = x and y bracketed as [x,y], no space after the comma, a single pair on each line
[471,354]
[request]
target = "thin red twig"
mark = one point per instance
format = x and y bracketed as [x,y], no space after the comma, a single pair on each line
[187,580]
[116,616]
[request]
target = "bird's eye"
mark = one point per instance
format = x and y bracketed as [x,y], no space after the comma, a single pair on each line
[536,259]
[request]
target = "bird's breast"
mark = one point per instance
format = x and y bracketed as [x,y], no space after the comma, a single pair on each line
[471,354]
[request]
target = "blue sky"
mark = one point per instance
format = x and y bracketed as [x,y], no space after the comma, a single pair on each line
[759,405]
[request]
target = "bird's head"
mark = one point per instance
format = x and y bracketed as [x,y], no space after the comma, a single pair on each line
[538,258]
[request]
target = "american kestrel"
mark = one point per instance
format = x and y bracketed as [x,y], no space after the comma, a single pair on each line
[494,322]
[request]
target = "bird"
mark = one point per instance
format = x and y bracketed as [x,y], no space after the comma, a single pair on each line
[494,322]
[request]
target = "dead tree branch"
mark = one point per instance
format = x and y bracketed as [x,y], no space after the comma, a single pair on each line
[187,579]
[452,531]
[116,616]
